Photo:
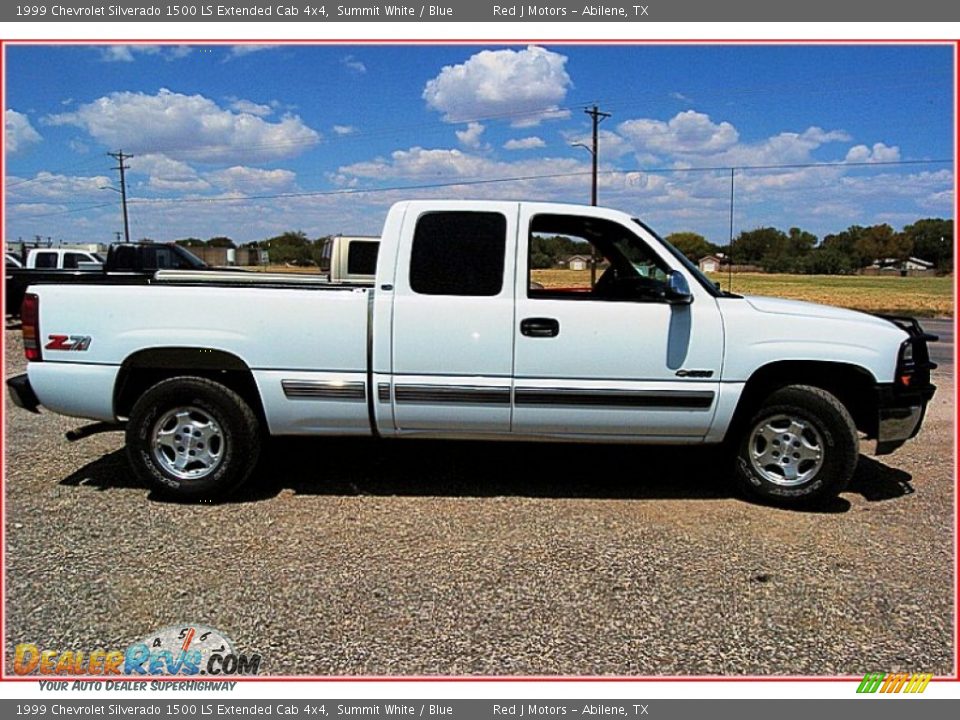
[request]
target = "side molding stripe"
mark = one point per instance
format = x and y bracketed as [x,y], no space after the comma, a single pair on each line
[571,397]
[324,390]
[451,395]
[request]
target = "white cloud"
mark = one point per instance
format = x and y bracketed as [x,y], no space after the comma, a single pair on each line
[128,53]
[939,201]
[167,174]
[688,132]
[237,51]
[878,153]
[187,127]
[419,164]
[526,85]
[344,129]
[250,107]
[353,65]
[470,137]
[47,186]
[681,97]
[18,132]
[249,180]
[527,143]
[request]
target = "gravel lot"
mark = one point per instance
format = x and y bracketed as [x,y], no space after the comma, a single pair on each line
[363,558]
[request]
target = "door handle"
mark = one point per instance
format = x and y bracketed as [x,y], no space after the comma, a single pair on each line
[539,327]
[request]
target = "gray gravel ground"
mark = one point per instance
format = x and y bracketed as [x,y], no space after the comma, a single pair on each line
[363,558]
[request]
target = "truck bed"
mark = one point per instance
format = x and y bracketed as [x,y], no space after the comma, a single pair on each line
[324,339]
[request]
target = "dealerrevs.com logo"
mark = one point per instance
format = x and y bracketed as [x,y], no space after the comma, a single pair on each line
[894,682]
[179,650]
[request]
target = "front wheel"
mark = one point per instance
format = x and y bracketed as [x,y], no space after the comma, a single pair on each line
[192,438]
[799,447]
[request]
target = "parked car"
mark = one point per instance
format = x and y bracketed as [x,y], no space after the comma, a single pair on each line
[59,258]
[452,341]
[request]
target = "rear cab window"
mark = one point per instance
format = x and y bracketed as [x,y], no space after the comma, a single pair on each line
[362,257]
[459,253]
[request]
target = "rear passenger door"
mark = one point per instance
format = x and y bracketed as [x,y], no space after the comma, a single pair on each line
[453,321]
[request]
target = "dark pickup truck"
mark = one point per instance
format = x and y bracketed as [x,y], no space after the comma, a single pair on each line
[126,264]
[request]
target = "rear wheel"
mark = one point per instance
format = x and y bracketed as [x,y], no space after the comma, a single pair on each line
[799,447]
[192,438]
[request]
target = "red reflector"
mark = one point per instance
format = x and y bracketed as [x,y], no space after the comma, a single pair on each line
[904,379]
[30,319]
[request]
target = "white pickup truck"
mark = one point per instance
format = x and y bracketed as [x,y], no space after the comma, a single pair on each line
[457,337]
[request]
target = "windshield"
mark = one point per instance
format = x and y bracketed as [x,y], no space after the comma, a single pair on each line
[700,277]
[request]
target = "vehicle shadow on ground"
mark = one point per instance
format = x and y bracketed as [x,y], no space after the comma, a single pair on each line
[356,466]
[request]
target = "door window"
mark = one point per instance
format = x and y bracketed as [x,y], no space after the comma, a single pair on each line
[562,248]
[45,260]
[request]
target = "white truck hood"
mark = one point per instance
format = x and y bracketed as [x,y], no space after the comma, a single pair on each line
[779,306]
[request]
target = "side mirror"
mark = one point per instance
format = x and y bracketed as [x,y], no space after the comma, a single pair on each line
[678,289]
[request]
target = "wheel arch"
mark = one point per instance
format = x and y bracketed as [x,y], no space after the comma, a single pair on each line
[853,385]
[145,368]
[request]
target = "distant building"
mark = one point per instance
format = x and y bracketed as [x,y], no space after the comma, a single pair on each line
[712,263]
[892,266]
[578,262]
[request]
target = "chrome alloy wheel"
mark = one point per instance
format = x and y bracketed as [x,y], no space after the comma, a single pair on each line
[187,443]
[786,450]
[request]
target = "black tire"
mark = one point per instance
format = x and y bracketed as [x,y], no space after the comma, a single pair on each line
[800,447]
[214,458]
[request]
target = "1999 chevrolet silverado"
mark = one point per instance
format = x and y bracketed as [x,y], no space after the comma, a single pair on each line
[454,339]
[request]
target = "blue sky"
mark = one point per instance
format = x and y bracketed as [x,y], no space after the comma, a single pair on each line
[250,141]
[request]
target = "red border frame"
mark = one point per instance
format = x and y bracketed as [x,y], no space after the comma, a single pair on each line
[4,678]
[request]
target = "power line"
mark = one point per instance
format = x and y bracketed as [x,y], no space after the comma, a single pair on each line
[61,212]
[520,178]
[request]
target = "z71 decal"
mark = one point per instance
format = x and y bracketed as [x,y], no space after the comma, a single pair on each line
[68,342]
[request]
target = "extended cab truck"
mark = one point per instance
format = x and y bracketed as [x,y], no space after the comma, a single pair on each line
[454,339]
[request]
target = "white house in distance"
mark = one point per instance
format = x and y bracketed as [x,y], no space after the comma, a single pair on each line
[578,262]
[711,263]
[911,264]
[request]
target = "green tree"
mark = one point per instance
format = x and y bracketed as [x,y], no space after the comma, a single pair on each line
[830,260]
[221,242]
[751,246]
[290,247]
[877,242]
[691,244]
[191,242]
[933,241]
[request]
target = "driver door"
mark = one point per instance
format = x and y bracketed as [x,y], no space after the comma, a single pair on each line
[612,360]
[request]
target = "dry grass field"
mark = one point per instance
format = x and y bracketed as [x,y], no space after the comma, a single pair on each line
[921,296]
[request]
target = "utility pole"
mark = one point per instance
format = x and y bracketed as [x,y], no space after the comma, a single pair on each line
[120,157]
[597,117]
[730,247]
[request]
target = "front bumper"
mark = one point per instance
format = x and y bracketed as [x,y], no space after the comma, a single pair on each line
[22,394]
[900,415]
